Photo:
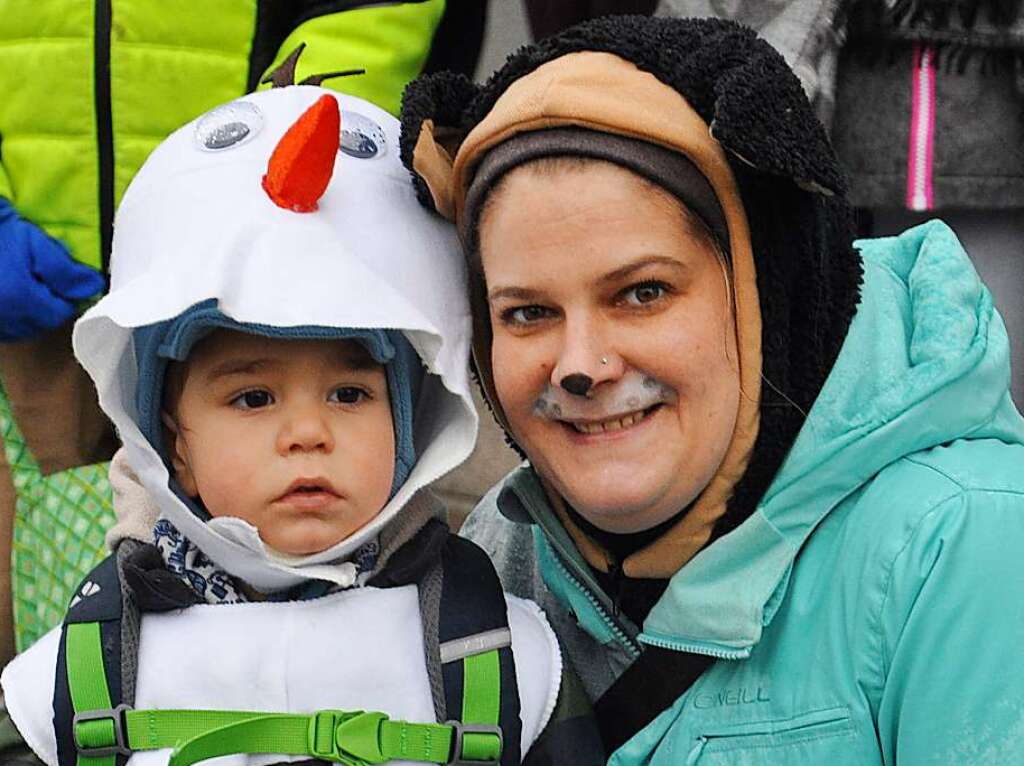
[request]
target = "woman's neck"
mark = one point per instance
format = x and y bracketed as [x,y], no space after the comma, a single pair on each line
[621,545]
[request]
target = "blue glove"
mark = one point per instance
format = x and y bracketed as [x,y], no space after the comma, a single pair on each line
[40,282]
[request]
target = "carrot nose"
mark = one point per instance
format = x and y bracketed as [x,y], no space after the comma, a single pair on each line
[303,160]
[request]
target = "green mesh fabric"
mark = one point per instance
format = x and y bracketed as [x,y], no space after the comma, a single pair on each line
[59,527]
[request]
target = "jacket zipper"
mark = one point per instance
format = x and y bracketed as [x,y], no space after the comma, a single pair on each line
[920,154]
[631,646]
[104,128]
[634,646]
[561,557]
[696,648]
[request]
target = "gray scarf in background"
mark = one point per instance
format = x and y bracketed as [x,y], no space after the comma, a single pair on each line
[810,33]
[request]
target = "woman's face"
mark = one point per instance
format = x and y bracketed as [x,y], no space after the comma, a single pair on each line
[593,272]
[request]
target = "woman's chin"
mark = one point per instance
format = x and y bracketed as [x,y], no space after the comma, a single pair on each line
[622,510]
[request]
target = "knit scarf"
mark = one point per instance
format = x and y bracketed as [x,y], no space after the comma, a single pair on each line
[215,586]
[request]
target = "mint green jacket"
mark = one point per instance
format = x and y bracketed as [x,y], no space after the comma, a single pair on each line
[88,89]
[871,610]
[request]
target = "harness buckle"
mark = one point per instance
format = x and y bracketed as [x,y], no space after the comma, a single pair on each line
[480,751]
[85,741]
[357,738]
[350,738]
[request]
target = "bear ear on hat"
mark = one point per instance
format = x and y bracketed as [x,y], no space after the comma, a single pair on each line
[762,117]
[433,127]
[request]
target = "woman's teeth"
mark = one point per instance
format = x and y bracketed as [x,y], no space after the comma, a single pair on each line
[604,426]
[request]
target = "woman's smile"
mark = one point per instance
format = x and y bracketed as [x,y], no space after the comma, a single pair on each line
[616,426]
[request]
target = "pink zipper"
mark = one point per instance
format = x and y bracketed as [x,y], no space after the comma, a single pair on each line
[920,154]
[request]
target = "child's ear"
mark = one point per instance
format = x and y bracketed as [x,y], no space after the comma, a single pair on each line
[177,448]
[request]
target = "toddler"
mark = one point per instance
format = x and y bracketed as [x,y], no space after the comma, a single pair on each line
[283,351]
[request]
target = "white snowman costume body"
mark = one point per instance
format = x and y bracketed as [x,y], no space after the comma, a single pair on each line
[196,225]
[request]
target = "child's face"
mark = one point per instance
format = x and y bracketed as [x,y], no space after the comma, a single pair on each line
[293,436]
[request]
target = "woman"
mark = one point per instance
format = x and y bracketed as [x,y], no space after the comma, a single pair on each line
[774,502]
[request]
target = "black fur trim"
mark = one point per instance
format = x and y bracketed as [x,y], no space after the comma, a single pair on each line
[440,97]
[808,280]
[737,82]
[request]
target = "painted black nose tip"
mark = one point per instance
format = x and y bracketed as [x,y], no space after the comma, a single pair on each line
[577,383]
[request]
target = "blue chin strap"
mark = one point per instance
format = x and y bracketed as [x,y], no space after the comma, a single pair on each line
[158,344]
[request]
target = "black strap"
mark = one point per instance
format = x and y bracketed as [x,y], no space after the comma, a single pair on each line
[154,587]
[473,603]
[98,599]
[650,685]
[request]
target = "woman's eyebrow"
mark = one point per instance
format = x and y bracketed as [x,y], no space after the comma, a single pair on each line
[515,293]
[631,268]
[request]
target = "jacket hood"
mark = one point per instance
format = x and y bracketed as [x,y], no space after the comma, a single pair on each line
[196,226]
[741,92]
[926,362]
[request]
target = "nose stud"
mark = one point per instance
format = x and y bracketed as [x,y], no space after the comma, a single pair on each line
[577,384]
[604,360]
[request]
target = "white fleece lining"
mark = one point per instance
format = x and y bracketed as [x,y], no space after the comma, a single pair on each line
[538,704]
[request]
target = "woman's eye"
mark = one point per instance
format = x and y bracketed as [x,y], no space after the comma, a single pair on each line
[253,400]
[525,314]
[347,395]
[643,293]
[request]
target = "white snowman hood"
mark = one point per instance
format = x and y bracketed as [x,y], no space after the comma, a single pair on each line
[196,224]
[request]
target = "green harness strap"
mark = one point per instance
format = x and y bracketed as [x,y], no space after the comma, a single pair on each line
[481,704]
[352,738]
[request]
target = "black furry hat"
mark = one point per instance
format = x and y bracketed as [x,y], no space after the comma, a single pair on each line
[789,181]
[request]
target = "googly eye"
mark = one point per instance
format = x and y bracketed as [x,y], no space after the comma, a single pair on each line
[361,137]
[228,126]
